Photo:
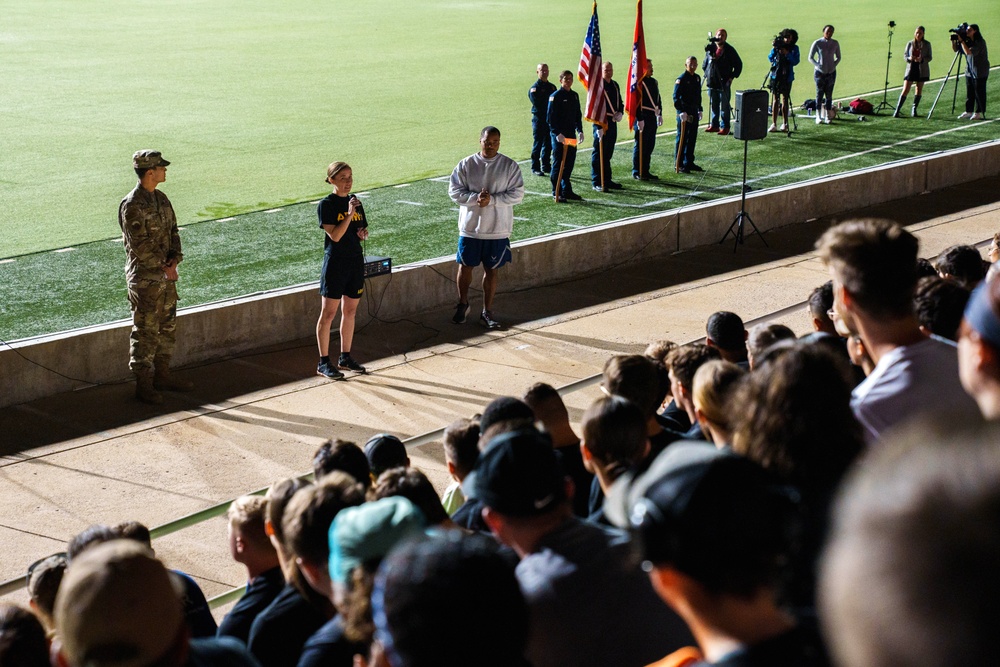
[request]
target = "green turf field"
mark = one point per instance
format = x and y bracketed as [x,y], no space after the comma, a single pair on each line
[251,100]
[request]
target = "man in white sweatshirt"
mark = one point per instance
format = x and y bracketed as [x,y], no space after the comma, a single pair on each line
[486,186]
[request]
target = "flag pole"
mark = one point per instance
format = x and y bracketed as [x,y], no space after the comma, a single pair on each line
[640,150]
[562,163]
[600,148]
[680,147]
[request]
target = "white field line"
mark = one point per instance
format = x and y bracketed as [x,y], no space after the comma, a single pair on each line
[273,210]
[411,203]
[7,261]
[64,250]
[570,225]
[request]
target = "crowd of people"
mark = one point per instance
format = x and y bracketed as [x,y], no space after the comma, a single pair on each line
[766,497]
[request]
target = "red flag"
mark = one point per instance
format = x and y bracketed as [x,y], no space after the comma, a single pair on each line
[590,73]
[637,70]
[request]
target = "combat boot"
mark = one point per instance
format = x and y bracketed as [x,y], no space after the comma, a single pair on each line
[164,380]
[916,103]
[899,105]
[145,391]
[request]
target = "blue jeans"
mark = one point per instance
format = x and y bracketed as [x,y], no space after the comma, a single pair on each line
[824,89]
[718,100]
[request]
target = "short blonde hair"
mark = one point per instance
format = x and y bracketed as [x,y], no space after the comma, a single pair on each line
[713,386]
[246,514]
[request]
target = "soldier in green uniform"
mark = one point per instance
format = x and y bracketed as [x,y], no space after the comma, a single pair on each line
[152,252]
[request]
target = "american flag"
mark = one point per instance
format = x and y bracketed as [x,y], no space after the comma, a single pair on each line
[636,70]
[590,74]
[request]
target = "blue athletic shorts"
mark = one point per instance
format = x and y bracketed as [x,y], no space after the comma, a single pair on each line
[491,253]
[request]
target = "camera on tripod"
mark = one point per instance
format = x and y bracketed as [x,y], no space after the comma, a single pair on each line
[778,42]
[712,41]
[961,32]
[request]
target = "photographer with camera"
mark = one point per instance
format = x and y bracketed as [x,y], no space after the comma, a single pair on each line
[722,65]
[784,56]
[977,68]
[917,54]
[825,56]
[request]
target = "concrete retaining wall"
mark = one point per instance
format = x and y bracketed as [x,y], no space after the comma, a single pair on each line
[99,354]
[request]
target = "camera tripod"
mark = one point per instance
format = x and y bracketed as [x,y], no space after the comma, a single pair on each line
[884,104]
[793,125]
[742,216]
[958,75]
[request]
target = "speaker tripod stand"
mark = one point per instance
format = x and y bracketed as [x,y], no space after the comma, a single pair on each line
[736,229]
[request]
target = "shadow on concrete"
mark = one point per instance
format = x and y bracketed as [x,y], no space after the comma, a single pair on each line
[91,414]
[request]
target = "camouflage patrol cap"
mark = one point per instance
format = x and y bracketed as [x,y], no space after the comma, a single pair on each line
[148,159]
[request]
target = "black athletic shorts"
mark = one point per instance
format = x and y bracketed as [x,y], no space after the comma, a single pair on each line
[342,277]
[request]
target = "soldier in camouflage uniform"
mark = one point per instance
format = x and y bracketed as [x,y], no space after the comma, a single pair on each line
[152,251]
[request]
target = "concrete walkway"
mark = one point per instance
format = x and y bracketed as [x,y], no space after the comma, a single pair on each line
[98,456]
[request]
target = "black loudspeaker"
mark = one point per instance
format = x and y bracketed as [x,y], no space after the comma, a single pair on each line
[751,117]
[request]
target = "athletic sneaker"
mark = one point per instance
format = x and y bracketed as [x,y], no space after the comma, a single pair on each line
[826,121]
[783,128]
[965,116]
[977,116]
[346,363]
[487,319]
[327,370]
[819,119]
[461,310]
[773,128]
[724,131]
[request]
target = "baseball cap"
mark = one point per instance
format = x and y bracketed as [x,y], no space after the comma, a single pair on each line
[385,451]
[117,607]
[368,532]
[719,518]
[518,474]
[147,159]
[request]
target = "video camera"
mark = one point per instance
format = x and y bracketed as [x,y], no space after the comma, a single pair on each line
[712,41]
[961,32]
[779,42]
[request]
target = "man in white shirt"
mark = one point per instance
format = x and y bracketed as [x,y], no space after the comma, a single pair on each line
[873,267]
[486,186]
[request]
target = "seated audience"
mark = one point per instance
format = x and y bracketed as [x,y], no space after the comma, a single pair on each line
[683,363]
[413,485]
[670,416]
[250,546]
[764,336]
[940,303]
[588,602]
[449,600]
[44,577]
[961,263]
[461,449]
[279,632]
[909,574]
[820,305]
[501,414]
[873,266]
[342,455]
[712,390]
[360,537]
[796,422]
[306,526]
[979,349]
[725,332]
[385,451]
[118,605]
[551,413]
[716,533]
[196,609]
[614,440]
[22,638]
